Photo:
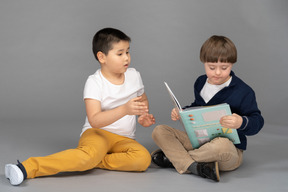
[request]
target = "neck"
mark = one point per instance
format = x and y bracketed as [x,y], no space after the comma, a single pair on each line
[114,78]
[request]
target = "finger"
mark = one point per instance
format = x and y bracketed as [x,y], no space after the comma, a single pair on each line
[152,118]
[140,104]
[141,112]
[224,118]
[143,109]
[137,98]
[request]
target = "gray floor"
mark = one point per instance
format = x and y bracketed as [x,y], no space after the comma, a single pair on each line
[265,166]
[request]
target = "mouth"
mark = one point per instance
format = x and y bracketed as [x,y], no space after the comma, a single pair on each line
[126,65]
[217,78]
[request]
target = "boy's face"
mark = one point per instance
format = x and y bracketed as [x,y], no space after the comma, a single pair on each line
[218,73]
[118,58]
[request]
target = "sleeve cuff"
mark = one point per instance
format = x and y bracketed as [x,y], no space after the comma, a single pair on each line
[244,123]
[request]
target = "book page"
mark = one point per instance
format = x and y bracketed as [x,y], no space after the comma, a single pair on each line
[175,101]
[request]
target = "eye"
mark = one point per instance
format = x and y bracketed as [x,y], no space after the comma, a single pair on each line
[212,68]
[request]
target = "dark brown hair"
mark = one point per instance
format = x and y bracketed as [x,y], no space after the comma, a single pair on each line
[218,48]
[103,40]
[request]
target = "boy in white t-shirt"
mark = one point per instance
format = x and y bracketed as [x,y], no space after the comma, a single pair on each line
[113,96]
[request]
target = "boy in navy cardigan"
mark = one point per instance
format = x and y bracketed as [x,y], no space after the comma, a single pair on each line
[219,85]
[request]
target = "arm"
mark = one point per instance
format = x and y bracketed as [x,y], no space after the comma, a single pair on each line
[248,119]
[98,118]
[144,99]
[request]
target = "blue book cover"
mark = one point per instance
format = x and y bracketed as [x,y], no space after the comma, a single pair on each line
[204,125]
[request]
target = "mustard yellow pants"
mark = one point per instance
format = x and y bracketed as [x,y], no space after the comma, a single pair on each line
[96,149]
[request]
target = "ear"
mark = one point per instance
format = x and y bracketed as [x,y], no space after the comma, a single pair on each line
[101,57]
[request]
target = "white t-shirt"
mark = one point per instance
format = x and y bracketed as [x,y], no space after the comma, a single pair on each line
[111,96]
[209,90]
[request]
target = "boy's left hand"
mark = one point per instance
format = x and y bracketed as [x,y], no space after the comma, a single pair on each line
[233,121]
[146,120]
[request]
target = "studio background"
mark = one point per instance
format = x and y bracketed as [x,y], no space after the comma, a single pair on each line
[46,51]
[46,57]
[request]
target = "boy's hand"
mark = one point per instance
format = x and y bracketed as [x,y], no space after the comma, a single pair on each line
[135,107]
[233,121]
[146,120]
[175,114]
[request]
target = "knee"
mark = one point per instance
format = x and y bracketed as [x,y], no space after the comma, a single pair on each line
[87,156]
[159,130]
[142,161]
[225,148]
[221,143]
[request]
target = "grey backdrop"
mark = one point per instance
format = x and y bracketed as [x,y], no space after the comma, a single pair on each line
[45,52]
[46,57]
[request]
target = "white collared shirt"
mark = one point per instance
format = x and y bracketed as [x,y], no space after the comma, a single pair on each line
[208,91]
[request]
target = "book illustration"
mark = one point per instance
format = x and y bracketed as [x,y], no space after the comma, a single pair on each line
[205,125]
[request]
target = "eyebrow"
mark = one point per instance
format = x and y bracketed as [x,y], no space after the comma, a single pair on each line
[123,49]
[222,65]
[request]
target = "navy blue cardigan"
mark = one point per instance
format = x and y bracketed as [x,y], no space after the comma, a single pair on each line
[242,101]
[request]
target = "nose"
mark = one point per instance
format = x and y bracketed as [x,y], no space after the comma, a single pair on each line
[218,71]
[126,56]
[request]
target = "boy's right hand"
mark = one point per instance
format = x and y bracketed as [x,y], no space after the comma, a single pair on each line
[136,107]
[175,114]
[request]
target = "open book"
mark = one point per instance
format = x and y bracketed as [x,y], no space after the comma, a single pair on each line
[202,123]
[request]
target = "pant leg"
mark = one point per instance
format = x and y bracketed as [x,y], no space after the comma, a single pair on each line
[177,147]
[175,144]
[221,150]
[126,155]
[93,146]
